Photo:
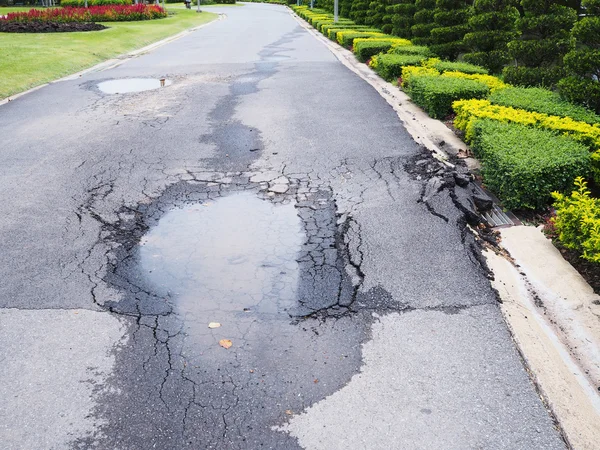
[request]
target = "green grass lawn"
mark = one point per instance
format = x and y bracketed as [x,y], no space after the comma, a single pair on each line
[30,59]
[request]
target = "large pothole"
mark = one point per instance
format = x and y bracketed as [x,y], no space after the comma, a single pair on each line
[251,243]
[236,253]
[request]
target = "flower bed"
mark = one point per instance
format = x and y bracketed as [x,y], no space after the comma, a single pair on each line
[48,27]
[107,13]
[81,3]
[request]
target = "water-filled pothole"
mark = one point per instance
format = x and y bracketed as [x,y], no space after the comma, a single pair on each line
[128,85]
[233,253]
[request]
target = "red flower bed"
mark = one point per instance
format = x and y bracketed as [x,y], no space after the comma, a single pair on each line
[106,13]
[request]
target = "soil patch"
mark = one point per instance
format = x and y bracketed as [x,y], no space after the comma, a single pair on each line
[48,27]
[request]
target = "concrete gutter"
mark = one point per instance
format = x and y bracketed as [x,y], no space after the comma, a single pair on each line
[116,61]
[553,314]
[555,322]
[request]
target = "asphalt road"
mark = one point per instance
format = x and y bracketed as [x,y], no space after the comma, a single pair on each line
[270,190]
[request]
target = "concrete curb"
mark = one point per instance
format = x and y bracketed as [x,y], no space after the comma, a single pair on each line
[116,61]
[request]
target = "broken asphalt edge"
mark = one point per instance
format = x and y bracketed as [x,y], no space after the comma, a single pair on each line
[560,357]
[116,61]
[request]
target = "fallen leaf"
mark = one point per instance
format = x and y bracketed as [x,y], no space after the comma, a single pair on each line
[316,380]
[214,325]
[225,343]
[289,412]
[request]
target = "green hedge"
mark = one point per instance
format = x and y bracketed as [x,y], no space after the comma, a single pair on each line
[389,66]
[332,32]
[347,39]
[524,165]
[412,50]
[435,94]
[543,101]
[364,50]
[449,66]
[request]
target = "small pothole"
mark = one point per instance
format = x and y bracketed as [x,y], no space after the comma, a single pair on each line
[129,85]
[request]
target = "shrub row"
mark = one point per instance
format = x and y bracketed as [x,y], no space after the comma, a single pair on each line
[107,13]
[468,112]
[543,101]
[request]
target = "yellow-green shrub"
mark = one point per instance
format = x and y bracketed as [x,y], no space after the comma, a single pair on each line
[468,111]
[365,48]
[410,71]
[577,221]
[494,83]
[346,38]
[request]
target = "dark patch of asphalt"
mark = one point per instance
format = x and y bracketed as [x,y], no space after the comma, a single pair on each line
[257,107]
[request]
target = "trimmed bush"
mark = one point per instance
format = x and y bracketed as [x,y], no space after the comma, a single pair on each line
[346,38]
[339,26]
[412,50]
[583,62]
[542,101]
[491,27]
[469,110]
[332,33]
[435,94]
[81,3]
[524,165]
[448,66]
[493,83]
[577,221]
[409,71]
[450,20]
[389,66]
[364,49]
[538,54]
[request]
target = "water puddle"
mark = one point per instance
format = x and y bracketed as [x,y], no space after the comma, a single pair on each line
[232,254]
[128,85]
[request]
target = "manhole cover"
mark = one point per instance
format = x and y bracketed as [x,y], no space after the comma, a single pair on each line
[127,85]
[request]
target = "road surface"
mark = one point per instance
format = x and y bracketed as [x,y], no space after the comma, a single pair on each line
[269,191]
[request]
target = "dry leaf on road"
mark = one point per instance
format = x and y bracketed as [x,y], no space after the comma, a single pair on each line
[225,343]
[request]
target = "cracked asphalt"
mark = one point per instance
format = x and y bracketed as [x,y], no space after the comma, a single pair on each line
[269,189]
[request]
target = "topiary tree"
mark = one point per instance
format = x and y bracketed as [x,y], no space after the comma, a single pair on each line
[450,20]
[491,27]
[377,16]
[345,7]
[358,11]
[402,18]
[423,19]
[538,54]
[583,61]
